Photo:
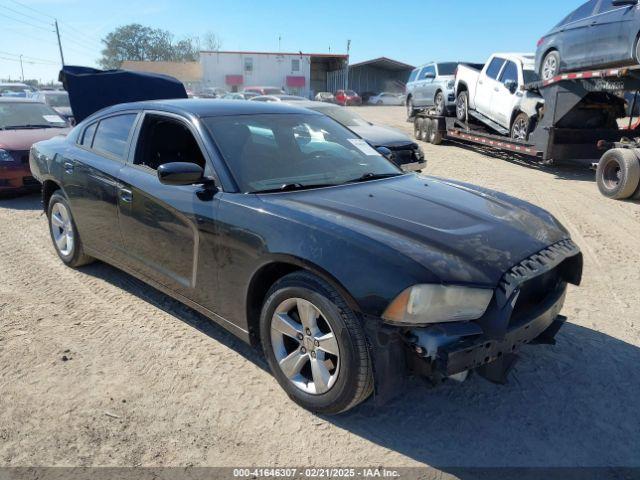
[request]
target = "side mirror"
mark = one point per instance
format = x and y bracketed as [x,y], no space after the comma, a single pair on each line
[181,173]
[511,85]
[386,153]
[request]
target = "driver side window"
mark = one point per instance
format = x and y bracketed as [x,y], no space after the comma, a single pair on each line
[509,74]
[165,140]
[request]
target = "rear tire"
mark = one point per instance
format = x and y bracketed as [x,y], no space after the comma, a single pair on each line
[426,128]
[434,134]
[64,233]
[550,65]
[618,173]
[462,106]
[417,126]
[315,379]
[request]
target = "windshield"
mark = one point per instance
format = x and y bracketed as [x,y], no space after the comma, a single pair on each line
[343,116]
[57,99]
[29,115]
[446,69]
[271,152]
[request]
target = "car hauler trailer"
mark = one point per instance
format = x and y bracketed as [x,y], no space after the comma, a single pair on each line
[576,124]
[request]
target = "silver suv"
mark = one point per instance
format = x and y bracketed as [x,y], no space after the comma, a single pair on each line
[432,85]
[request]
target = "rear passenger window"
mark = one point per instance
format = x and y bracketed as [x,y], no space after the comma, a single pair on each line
[113,134]
[87,137]
[494,67]
[584,11]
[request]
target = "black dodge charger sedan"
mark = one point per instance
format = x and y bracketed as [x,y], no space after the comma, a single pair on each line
[290,231]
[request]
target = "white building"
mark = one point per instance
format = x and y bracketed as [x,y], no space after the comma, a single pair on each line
[300,73]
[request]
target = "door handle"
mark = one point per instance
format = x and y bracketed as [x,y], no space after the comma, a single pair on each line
[125,195]
[68,167]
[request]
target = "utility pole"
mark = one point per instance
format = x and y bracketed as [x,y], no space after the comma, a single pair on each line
[21,68]
[59,42]
[346,77]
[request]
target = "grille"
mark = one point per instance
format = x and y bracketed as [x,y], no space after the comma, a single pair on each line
[404,155]
[533,292]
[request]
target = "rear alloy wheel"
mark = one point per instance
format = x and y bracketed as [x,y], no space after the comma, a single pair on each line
[550,65]
[410,108]
[520,127]
[618,173]
[64,234]
[439,103]
[462,106]
[315,345]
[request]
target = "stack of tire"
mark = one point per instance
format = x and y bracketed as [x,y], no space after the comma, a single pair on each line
[426,129]
[618,173]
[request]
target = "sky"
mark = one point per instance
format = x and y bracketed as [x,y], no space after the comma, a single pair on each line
[411,31]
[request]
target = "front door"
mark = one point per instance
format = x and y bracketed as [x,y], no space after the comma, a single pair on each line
[504,100]
[161,224]
[608,39]
[487,85]
[575,36]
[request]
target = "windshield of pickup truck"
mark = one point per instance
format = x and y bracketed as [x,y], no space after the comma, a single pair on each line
[447,69]
[281,152]
[23,115]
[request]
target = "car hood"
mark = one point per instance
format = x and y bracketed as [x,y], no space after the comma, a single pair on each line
[381,136]
[23,139]
[459,233]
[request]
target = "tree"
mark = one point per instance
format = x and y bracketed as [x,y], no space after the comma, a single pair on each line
[211,42]
[139,43]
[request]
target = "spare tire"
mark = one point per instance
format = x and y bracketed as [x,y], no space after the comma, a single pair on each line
[618,173]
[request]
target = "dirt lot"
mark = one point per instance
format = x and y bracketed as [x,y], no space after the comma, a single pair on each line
[99,369]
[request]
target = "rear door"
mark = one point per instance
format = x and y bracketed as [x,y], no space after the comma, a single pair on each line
[574,37]
[487,85]
[91,178]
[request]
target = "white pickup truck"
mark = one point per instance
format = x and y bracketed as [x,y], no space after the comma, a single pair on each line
[495,95]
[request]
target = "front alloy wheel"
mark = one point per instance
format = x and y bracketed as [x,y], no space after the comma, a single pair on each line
[315,344]
[305,346]
[520,128]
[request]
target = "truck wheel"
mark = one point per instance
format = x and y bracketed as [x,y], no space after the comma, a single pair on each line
[618,173]
[550,65]
[410,108]
[426,128]
[417,128]
[439,103]
[462,106]
[434,134]
[520,127]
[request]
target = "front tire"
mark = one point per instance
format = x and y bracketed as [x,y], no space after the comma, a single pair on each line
[520,127]
[410,108]
[462,106]
[439,103]
[315,345]
[550,65]
[64,233]
[618,173]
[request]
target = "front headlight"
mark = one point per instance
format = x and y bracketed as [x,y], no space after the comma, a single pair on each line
[425,304]
[5,156]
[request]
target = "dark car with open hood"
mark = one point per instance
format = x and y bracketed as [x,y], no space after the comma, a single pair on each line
[292,232]
[22,123]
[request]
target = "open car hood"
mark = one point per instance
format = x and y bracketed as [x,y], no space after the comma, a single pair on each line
[91,90]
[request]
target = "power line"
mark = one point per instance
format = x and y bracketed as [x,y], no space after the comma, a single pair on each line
[32,9]
[29,57]
[33,17]
[28,35]
[25,22]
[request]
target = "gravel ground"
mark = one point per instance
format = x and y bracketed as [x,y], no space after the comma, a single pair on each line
[98,369]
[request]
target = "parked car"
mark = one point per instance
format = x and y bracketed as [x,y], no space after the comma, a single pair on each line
[213,92]
[299,237]
[599,33]
[278,98]
[404,152]
[325,97]
[58,100]
[23,122]
[347,97]
[265,90]
[494,95]
[15,89]
[386,98]
[233,96]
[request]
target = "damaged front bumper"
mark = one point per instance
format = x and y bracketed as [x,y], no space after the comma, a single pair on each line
[525,309]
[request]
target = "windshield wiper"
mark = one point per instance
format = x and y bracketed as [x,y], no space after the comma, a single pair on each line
[28,126]
[291,187]
[373,176]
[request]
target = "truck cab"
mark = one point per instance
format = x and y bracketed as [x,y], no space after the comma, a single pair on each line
[495,95]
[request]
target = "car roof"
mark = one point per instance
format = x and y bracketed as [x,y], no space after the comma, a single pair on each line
[203,107]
